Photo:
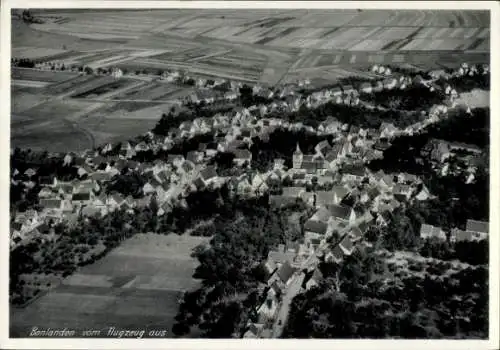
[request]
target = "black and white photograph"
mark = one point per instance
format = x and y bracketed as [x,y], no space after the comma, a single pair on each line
[236,172]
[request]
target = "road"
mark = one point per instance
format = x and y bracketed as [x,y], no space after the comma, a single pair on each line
[292,290]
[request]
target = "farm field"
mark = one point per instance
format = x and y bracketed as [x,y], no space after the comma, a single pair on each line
[24,74]
[256,46]
[137,284]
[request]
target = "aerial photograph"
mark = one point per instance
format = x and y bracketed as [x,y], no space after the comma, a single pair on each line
[249,173]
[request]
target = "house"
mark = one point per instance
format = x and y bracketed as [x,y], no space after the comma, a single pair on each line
[101,176]
[116,73]
[457,235]
[342,213]
[51,203]
[347,245]
[366,87]
[269,267]
[314,279]
[268,308]
[335,255]
[315,228]
[353,173]
[254,330]
[48,181]
[141,147]
[440,152]
[429,231]
[30,172]
[321,215]
[46,192]
[322,148]
[348,89]
[355,234]
[402,192]
[242,156]
[285,273]
[282,255]
[390,83]
[292,192]
[387,130]
[478,229]
[81,198]
[175,159]
[208,174]
[384,217]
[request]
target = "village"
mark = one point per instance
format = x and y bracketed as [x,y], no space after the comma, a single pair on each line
[337,169]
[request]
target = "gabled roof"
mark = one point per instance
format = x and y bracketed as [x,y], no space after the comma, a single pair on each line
[429,230]
[242,154]
[46,180]
[461,235]
[315,226]
[340,211]
[208,173]
[337,252]
[83,196]
[356,233]
[193,156]
[324,197]
[50,203]
[340,191]
[346,243]
[101,176]
[285,272]
[477,226]
[322,214]
[292,191]
[187,166]
[323,146]
[357,170]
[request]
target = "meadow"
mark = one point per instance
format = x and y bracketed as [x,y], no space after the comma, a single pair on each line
[137,285]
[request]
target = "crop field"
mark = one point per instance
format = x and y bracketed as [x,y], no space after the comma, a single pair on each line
[265,46]
[40,75]
[36,53]
[137,284]
[53,135]
[101,89]
[22,100]
[154,91]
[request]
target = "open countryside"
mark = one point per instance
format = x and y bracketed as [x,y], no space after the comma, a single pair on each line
[264,46]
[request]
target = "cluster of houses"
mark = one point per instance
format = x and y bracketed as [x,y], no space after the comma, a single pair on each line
[440,152]
[475,230]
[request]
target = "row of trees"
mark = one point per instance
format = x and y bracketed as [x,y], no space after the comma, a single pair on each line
[414,98]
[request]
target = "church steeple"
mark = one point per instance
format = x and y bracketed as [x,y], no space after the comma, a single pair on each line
[297,157]
[297,149]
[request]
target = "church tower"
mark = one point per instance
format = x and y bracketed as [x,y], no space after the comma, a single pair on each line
[297,157]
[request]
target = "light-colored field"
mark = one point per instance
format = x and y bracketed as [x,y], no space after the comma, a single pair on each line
[475,99]
[29,83]
[137,285]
